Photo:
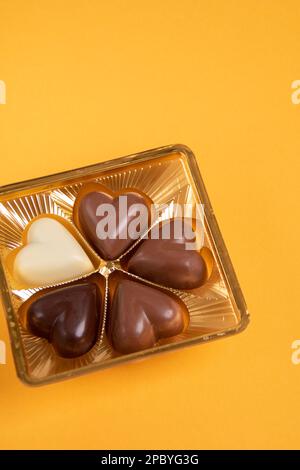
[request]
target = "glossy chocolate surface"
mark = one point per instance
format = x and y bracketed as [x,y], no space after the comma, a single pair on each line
[51,254]
[112,247]
[68,317]
[168,262]
[140,315]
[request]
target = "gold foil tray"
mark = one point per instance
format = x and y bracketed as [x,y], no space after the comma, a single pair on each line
[167,175]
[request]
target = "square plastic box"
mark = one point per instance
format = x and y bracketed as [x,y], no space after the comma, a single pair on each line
[167,175]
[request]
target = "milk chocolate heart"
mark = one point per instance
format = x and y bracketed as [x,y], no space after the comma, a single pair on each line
[68,318]
[109,237]
[141,315]
[50,255]
[167,261]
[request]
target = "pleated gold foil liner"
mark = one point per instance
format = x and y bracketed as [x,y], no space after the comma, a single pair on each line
[167,175]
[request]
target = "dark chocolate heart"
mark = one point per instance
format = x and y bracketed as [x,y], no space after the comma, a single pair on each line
[141,315]
[68,318]
[168,262]
[120,240]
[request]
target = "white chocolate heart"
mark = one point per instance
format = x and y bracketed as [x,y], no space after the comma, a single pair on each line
[51,255]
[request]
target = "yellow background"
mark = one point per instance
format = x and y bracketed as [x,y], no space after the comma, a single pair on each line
[91,80]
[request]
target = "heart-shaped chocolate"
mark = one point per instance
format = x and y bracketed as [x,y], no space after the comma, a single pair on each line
[50,255]
[68,318]
[141,315]
[107,219]
[168,261]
